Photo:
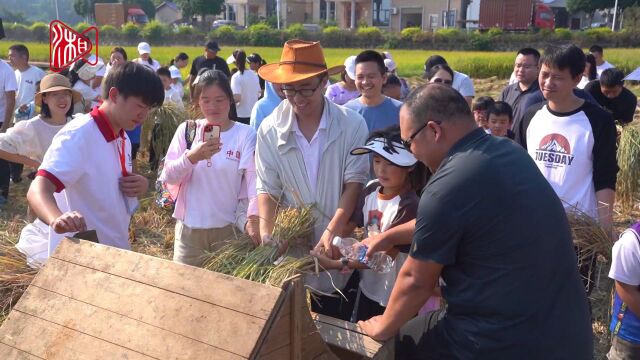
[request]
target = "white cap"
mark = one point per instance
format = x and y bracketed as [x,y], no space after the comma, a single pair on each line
[390,64]
[350,67]
[231,59]
[395,154]
[144,48]
[387,55]
[175,72]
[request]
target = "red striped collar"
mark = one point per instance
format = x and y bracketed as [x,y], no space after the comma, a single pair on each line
[104,125]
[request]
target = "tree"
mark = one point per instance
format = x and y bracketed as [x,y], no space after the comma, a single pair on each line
[191,8]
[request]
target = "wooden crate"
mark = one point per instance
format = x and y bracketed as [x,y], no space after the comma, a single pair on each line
[97,302]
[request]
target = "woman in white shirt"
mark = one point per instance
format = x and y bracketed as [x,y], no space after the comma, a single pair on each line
[214,181]
[144,50]
[80,77]
[246,87]
[590,71]
[28,141]
[179,62]
[118,56]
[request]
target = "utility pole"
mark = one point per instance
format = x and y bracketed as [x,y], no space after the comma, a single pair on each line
[57,14]
[615,13]
[278,13]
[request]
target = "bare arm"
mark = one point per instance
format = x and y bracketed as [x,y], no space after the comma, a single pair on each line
[41,200]
[606,199]
[8,111]
[414,285]
[43,204]
[630,295]
[267,211]
[338,224]
[237,98]
[15,158]
[469,100]
[397,235]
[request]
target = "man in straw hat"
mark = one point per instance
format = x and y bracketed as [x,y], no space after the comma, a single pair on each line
[85,181]
[303,156]
[504,252]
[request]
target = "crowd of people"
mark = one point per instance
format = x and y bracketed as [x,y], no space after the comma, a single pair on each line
[467,194]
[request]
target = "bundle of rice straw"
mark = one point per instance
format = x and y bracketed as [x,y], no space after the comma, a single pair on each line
[240,258]
[15,276]
[168,116]
[591,241]
[628,185]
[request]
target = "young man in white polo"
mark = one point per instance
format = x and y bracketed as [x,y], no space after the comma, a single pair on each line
[85,180]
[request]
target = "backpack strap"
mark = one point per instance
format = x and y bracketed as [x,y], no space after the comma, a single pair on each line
[190,132]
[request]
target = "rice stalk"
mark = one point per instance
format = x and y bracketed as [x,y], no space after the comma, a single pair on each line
[590,240]
[628,184]
[15,276]
[168,117]
[238,257]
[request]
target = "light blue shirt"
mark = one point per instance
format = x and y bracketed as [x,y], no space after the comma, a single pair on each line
[377,117]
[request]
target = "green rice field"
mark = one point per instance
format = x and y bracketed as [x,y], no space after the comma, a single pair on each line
[410,62]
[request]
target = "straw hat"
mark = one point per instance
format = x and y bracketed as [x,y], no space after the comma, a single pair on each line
[300,60]
[56,82]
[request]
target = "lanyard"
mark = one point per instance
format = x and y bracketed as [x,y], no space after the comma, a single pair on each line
[121,155]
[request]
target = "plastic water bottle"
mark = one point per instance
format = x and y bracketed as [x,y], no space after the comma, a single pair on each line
[345,245]
[379,262]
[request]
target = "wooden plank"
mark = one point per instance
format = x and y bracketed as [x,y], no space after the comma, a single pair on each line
[281,353]
[345,335]
[129,333]
[214,325]
[295,289]
[229,292]
[46,340]
[278,335]
[10,353]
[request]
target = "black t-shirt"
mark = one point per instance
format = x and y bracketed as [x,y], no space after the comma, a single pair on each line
[515,97]
[216,63]
[512,284]
[622,107]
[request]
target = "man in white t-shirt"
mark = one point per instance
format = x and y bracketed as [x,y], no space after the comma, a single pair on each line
[461,82]
[85,179]
[8,89]
[601,64]
[27,76]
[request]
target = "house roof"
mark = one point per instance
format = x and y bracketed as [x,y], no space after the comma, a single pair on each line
[170,4]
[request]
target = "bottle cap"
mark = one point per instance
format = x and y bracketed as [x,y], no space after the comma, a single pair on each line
[337,241]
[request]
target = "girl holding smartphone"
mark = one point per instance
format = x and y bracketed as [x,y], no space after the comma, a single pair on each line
[215,175]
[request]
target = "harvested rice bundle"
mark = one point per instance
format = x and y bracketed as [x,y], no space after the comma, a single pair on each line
[168,117]
[591,241]
[15,276]
[239,258]
[628,185]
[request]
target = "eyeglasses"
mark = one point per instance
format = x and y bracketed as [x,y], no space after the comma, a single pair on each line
[442,81]
[303,92]
[407,143]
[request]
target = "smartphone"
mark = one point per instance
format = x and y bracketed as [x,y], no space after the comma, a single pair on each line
[210,132]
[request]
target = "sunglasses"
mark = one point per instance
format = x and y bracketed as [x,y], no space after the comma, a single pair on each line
[407,143]
[442,81]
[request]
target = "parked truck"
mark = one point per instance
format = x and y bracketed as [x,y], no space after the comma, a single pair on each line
[118,14]
[515,15]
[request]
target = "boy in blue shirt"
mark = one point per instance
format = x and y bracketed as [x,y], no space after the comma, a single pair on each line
[625,317]
[378,110]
